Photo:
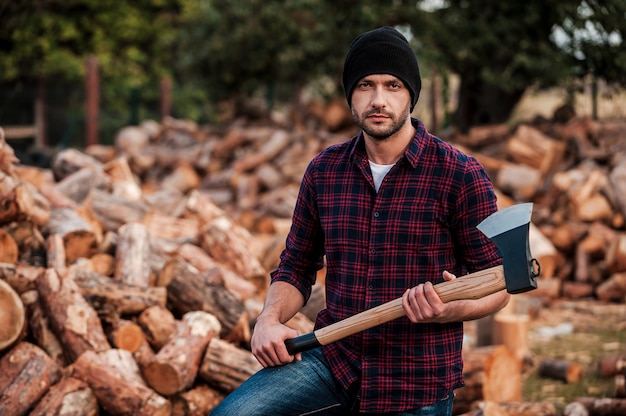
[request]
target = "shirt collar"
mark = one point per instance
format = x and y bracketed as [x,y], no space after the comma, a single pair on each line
[411,154]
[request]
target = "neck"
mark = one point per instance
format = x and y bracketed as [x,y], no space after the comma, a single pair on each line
[389,150]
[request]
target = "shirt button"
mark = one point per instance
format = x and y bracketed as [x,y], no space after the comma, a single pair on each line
[376,214]
[370,287]
[373,251]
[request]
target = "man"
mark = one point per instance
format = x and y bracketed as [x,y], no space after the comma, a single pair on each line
[393,211]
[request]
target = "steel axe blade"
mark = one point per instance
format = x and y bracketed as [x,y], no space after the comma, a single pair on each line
[508,229]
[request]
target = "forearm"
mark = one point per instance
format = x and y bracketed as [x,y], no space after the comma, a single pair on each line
[282,302]
[471,309]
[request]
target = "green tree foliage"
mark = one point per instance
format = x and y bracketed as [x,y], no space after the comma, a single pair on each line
[46,42]
[235,49]
[500,48]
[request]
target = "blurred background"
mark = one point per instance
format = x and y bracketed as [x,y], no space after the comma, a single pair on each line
[483,62]
[195,120]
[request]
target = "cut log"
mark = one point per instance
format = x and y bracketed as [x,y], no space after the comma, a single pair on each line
[562,370]
[12,316]
[617,181]
[544,251]
[159,325]
[226,366]
[127,335]
[612,289]
[224,240]
[39,327]
[126,299]
[511,330]
[620,386]
[177,230]
[491,373]
[69,397]
[55,253]
[198,401]
[26,374]
[102,153]
[279,140]
[21,201]
[115,379]
[21,277]
[79,238]
[175,367]
[72,319]
[72,160]
[191,291]
[531,147]
[30,242]
[577,290]
[513,409]
[124,183]
[8,248]
[604,406]
[132,255]
[113,211]
[612,366]
[520,181]
[183,178]
[616,254]
[77,185]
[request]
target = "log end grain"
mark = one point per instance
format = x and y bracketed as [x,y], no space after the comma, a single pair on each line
[12,315]
[163,378]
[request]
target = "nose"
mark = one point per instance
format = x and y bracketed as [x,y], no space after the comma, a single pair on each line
[378,98]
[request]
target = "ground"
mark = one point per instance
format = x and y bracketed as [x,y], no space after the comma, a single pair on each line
[581,332]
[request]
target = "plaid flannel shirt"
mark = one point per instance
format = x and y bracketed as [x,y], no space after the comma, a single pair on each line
[420,223]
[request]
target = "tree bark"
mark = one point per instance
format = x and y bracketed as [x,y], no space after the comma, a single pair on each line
[69,397]
[132,254]
[126,299]
[26,374]
[175,367]
[198,401]
[115,379]
[560,370]
[72,319]
[226,366]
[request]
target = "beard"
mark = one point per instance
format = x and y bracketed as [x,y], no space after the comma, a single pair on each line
[381,132]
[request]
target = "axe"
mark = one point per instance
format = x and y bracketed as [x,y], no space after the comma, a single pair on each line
[507,228]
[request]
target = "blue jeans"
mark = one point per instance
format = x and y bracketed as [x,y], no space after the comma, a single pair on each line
[302,388]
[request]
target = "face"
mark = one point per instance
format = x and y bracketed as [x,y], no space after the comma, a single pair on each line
[381,105]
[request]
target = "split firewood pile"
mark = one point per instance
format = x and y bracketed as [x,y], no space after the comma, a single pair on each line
[131,274]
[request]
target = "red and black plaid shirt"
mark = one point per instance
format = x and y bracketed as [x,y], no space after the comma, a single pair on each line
[420,223]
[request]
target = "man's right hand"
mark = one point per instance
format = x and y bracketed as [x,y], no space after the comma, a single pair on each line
[268,342]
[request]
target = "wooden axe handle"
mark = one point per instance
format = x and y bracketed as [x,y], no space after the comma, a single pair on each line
[472,286]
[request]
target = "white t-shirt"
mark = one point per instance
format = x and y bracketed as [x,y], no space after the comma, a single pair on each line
[379,172]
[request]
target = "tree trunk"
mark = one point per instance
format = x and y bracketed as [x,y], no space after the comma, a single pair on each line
[480,103]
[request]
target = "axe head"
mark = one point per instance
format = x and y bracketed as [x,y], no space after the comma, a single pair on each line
[508,229]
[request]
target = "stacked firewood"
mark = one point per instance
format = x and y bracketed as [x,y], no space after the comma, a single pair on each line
[131,274]
[575,173]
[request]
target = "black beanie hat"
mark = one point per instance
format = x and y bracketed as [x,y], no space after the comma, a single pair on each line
[381,51]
